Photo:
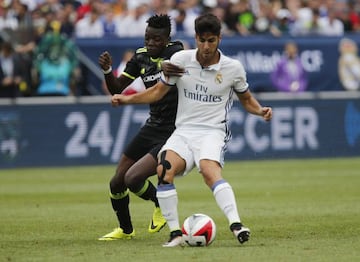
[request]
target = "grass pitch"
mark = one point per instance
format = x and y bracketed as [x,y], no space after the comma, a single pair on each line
[297,210]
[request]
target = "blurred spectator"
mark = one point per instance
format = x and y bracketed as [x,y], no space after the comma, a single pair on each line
[90,25]
[23,38]
[220,13]
[192,9]
[42,18]
[179,18]
[64,13]
[282,23]
[245,19]
[240,18]
[354,15]
[304,19]
[84,9]
[8,17]
[349,65]
[56,64]
[289,74]
[11,82]
[330,25]
[165,7]
[119,7]
[107,19]
[67,17]
[232,11]
[343,14]
[133,22]
[264,17]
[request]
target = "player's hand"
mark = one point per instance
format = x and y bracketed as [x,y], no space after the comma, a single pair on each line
[105,60]
[170,69]
[267,113]
[118,99]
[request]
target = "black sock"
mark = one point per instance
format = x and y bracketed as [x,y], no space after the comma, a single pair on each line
[147,191]
[121,208]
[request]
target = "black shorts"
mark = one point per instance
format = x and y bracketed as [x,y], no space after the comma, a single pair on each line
[149,140]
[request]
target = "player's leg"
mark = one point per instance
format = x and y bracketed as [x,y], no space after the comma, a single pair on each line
[170,164]
[223,193]
[211,157]
[137,182]
[224,196]
[136,178]
[174,158]
[139,146]
[119,197]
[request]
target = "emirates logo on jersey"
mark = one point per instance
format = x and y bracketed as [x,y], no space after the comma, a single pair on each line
[218,78]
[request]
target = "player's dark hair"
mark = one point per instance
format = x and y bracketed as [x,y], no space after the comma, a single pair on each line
[161,21]
[207,23]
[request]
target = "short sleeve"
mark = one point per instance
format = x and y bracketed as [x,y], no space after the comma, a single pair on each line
[240,85]
[240,82]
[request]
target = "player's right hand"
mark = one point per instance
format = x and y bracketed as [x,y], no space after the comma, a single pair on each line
[105,60]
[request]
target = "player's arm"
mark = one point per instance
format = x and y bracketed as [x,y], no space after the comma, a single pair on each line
[114,85]
[252,106]
[150,95]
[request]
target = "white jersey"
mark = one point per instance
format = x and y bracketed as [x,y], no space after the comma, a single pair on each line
[206,94]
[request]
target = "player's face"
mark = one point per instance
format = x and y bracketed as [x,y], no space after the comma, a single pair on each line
[207,45]
[155,41]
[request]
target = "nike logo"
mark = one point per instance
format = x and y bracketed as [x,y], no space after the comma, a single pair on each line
[152,226]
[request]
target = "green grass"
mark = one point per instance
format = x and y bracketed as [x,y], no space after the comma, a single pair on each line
[297,210]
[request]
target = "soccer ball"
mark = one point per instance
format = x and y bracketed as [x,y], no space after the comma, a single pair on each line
[198,230]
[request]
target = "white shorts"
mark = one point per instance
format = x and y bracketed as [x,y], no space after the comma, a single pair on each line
[194,145]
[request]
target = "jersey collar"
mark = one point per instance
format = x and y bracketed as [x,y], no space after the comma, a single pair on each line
[215,67]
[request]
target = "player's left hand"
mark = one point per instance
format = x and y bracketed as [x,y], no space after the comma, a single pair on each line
[267,113]
[105,60]
[170,69]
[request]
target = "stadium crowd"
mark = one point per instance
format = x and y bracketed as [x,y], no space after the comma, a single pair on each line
[26,23]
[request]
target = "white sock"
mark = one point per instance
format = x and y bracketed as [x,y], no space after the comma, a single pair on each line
[168,200]
[225,199]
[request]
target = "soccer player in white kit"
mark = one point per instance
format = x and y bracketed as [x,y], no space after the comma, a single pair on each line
[205,88]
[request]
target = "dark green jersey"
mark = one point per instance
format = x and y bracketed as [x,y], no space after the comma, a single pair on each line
[142,65]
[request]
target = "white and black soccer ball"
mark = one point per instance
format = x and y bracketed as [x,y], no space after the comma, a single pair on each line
[199,230]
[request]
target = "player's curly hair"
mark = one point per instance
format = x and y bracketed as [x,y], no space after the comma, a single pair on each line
[161,21]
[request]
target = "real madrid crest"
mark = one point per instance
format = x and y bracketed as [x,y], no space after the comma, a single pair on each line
[218,78]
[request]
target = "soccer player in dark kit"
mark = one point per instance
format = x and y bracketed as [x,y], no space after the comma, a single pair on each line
[139,160]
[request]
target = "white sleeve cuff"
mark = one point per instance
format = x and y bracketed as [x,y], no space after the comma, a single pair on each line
[168,80]
[106,72]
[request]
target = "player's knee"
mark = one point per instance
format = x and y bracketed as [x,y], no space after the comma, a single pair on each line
[129,181]
[162,172]
[112,184]
[117,184]
[163,168]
